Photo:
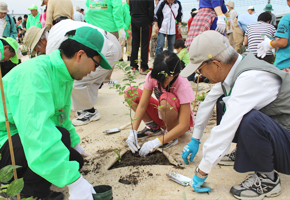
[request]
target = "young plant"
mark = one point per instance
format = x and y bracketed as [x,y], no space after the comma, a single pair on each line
[119,158]
[201,98]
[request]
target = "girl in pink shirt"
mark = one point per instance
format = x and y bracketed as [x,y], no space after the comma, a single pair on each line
[173,97]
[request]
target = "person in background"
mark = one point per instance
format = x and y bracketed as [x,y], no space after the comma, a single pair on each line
[107,15]
[211,16]
[260,126]
[153,41]
[253,35]
[24,22]
[82,11]
[281,42]
[268,8]
[7,25]
[173,94]
[20,34]
[167,14]
[78,16]
[142,14]
[43,18]
[58,10]
[33,18]
[192,14]
[19,22]
[229,31]
[128,40]
[181,52]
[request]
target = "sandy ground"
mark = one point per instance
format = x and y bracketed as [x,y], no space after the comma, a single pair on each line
[100,147]
[152,180]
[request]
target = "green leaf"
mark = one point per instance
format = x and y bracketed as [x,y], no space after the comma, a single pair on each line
[6,173]
[128,68]
[15,187]
[29,198]
[121,93]
[4,199]
[184,196]
[173,98]
[218,197]
[171,108]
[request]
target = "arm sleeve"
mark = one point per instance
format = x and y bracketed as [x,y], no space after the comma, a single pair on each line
[28,22]
[49,14]
[118,14]
[127,17]
[283,28]
[179,15]
[32,111]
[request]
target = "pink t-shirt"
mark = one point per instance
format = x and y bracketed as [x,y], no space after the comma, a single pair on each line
[181,88]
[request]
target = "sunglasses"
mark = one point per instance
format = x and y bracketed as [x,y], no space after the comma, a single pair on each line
[96,63]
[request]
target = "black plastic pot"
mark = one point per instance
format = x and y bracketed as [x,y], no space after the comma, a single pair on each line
[104,192]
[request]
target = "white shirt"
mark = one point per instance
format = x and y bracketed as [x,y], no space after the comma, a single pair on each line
[253,89]
[78,16]
[2,26]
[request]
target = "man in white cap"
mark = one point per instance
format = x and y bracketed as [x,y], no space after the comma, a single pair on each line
[85,91]
[7,25]
[78,16]
[253,99]
[33,18]
[229,31]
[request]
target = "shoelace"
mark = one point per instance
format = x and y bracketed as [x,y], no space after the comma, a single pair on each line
[252,179]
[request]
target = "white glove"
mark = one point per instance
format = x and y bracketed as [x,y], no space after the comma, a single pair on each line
[132,141]
[263,47]
[81,189]
[149,147]
[122,35]
[221,24]
[79,149]
[229,19]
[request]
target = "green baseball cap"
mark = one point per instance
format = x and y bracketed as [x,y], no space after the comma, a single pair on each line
[33,7]
[92,38]
[13,43]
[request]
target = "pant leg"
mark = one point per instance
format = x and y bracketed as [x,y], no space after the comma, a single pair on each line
[262,145]
[129,45]
[34,184]
[85,92]
[238,35]
[145,46]
[170,41]
[160,43]
[135,44]
[230,37]
[220,109]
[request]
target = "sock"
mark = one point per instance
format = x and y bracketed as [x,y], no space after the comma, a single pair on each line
[270,175]
[152,124]
[92,110]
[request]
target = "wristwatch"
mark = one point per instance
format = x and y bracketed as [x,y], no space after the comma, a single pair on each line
[198,174]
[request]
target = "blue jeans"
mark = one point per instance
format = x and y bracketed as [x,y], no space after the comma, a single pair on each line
[161,41]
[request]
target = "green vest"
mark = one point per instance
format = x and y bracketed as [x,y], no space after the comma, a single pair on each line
[279,109]
[33,21]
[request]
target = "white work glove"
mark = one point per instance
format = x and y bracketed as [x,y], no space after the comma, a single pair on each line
[79,149]
[149,147]
[263,47]
[231,26]
[81,189]
[132,141]
[122,35]
[221,24]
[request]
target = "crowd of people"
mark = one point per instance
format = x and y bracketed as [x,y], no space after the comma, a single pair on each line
[74,54]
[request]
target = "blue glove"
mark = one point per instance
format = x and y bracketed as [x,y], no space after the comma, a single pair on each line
[196,183]
[190,148]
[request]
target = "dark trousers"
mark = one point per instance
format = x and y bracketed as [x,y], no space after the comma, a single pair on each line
[262,144]
[146,35]
[34,185]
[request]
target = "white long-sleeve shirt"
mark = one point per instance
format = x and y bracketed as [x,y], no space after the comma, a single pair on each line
[253,89]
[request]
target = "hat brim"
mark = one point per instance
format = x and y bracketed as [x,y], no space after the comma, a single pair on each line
[265,9]
[13,59]
[36,40]
[189,69]
[104,63]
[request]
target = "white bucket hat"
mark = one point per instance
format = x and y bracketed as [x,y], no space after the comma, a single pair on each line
[3,8]
[32,37]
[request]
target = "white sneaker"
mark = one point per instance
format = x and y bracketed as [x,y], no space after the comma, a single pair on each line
[229,159]
[79,112]
[86,118]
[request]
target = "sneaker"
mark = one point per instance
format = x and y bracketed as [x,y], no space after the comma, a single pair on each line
[257,186]
[229,159]
[79,112]
[86,118]
[111,82]
[135,69]
[169,144]
[148,131]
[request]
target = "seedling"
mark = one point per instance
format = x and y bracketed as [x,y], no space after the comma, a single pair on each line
[200,98]
[119,158]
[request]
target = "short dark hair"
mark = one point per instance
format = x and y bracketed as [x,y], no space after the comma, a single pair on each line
[69,47]
[178,43]
[82,10]
[192,12]
[19,18]
[25,16]
[265,17]
[252,9]
[165,63]
[6,43]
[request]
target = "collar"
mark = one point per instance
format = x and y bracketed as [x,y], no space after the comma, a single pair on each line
[61,69]
[229,79]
